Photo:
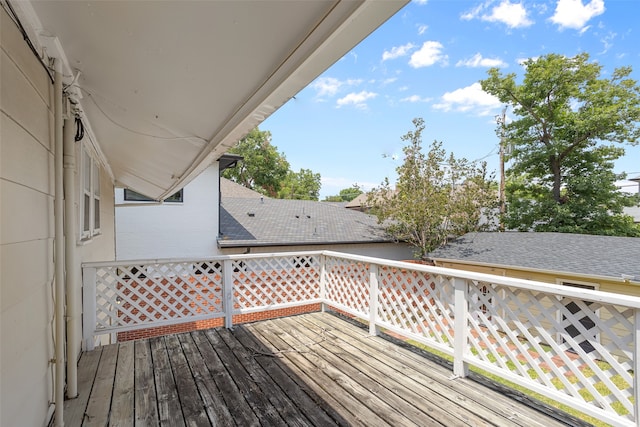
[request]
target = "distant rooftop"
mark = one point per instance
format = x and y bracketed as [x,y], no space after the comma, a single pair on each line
[604,256]
[247,222]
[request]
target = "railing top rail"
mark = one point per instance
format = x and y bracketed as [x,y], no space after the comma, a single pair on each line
[568,291]
[197,260]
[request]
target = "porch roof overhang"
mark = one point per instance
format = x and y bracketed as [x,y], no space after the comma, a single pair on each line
[168,87]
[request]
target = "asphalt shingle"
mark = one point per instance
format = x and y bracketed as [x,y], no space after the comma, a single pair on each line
[562,252]
[272,222]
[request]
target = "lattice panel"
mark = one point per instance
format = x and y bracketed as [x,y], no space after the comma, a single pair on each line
[270,282]
[143,294]
[417,302]
[347,284]
[578,348]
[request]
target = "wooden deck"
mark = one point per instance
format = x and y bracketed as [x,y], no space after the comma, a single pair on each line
[307,370]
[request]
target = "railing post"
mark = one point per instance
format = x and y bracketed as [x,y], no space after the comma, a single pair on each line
[89,307]
[636,368]
[373,299]
[323,282]
[227,291]
[460,332]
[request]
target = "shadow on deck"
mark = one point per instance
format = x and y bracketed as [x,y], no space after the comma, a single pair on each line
[308,370]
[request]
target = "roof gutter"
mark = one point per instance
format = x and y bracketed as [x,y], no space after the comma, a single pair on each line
[243,243]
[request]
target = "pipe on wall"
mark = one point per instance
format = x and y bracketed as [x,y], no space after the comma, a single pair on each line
[70,256]
[58,211]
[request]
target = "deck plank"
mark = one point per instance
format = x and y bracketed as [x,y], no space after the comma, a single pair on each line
[255,397]
[169,410]
[212,399]
[318,410]
[276,396]
[233,397]
[190,400]
[97,413]
[123,391]
[75,409]
[386,405]
[309,370]
[397,389]
[145,400]
[330,380]
[468,395]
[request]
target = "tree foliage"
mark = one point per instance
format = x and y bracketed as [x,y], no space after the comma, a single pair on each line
[302,185]
[561,176]
[436,197]
[346,194]
[263,168]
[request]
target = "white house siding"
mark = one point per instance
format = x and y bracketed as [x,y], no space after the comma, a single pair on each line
[27,233]
[172,230]
[393,251]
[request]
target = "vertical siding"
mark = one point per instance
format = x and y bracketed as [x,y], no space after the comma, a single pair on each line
[26,234]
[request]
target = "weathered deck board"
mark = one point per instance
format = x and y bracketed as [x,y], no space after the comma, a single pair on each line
[309,370]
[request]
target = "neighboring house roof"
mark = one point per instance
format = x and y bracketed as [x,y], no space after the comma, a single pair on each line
[234,190]
[359,202]
[246,222]
[603,256]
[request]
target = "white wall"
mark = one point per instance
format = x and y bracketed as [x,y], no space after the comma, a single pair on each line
[27,234]
[171,230]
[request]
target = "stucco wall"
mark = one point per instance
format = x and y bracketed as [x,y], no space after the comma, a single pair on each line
[172,230]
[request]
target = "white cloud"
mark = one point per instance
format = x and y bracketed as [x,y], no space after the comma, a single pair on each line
[420,1]
[389,81]
[422,29]
[397,51]
[358,100]
[330,86]
[470,98]
[415,98]
[514,15]
[429,54]
[478,61]
[574,14]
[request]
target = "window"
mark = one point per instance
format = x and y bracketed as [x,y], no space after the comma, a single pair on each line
[90,197]
[132,196]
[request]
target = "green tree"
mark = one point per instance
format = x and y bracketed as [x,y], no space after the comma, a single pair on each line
[303,185]
[346,194]
[561,176]
[263,168]
[436,197]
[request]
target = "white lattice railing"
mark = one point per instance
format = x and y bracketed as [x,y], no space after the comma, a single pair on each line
[576,346]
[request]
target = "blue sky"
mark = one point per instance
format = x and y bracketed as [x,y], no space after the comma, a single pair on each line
[426,62]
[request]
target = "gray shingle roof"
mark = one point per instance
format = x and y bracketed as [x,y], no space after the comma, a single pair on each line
[277,222]
[561,252]
[229,188]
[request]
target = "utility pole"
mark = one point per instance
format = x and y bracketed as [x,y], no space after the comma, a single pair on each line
[501,122]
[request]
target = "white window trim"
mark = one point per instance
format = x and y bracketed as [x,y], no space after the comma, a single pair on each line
[90,167]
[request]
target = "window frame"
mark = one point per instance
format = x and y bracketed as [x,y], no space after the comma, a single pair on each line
[131,196]
[90,195]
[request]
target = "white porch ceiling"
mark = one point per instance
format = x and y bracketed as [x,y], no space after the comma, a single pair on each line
[169,86]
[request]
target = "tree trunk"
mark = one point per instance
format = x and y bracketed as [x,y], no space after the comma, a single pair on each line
[557,178]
